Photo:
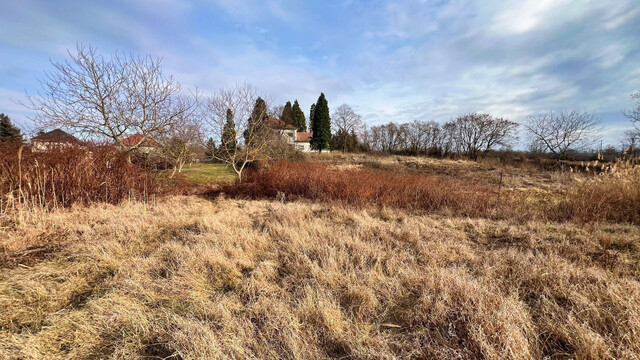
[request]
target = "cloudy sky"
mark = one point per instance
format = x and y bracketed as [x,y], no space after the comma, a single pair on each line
[390,60]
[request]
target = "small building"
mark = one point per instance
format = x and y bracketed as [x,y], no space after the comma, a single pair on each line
[303,141]
[147,144]
[54,139]
[290,134]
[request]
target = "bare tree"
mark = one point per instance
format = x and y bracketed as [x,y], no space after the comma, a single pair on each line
[345,121]
[253,134]
[276,111]
[110,97]
[181,142]
[558,133]
[630,142]
[421,136]
[634,114]
[387,138]
[476,134]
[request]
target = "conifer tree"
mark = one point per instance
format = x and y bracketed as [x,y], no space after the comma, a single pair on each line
[8,131]
[258,123]
[311,112]
[321,125]
[228,142]
[287,114]
[299,120]
[210,149]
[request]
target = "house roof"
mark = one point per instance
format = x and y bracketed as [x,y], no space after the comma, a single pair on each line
[304,136]
[57,136]
[136,138]
[279,124]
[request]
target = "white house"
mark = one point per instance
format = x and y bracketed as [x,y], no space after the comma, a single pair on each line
[54,139]
[300,140]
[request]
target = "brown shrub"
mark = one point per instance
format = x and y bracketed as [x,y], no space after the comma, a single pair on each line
[356,186]
[63,177]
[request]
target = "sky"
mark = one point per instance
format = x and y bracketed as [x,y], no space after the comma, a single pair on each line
[389,60]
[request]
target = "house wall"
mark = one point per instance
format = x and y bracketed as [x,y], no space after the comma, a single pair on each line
[303,146]
[48,145]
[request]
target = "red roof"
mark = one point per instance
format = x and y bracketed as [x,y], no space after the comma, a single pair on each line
[304,136]
[136,138]
[279,124]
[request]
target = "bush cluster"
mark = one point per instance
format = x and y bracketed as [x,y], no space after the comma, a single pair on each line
[73,175]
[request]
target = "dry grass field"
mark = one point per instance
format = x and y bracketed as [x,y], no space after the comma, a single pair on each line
[329,273]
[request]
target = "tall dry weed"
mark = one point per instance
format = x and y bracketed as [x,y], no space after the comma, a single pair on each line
[63,177]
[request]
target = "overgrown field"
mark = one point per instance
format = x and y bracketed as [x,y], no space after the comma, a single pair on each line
[189,278]
[343,256]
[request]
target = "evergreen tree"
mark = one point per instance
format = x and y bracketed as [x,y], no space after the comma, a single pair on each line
[210,149]
[8,131]
[348,141]
[287,114]
[298,117]
[257,125]
[311,113]
[228,142]
[321,125]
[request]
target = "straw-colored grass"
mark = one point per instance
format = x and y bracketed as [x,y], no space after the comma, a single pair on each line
[188,278]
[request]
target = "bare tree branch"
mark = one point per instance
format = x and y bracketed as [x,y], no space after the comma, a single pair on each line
[110,97]
[559,133]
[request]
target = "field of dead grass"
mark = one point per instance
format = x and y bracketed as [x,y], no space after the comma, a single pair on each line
[188,278]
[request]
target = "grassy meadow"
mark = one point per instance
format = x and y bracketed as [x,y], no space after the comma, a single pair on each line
[353,257]
[206,173]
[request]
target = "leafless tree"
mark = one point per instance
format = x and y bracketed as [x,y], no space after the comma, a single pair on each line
[387,138]
[630,142]
[181,142]
[276,111]
[475,134]
[421,136]
[558,133]
[252,130]
[345,121]
[110,97]
[634,114]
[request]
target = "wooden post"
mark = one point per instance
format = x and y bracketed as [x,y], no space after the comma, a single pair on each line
[500,185]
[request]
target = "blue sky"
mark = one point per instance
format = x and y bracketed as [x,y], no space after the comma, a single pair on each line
[390,60]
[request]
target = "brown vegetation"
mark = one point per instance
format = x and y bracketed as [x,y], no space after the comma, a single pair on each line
[318,181]
[67,176]
[194,279]
[613,196]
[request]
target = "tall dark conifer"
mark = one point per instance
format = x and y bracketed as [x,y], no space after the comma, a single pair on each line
[228,142]
[311,113]
[287,114]
[321,125]
[258,123]
[299,120]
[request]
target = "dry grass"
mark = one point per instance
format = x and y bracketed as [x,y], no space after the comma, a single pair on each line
[192,279]
[613,196]
[522,176]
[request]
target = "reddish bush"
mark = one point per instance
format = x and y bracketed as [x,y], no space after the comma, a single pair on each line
[63,177]
[365,187]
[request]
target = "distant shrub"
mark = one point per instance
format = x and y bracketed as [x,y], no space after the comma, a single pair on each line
[64,177]
[318,181]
